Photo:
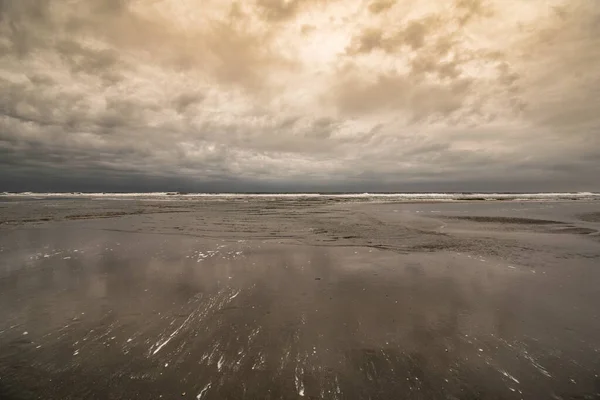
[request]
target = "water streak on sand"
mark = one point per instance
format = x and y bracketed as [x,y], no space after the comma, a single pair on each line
[162,344]
[199,397]
[506,374]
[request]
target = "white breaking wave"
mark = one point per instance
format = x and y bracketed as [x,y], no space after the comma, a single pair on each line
[373,196]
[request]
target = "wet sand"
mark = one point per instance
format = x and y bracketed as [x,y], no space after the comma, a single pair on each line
[299,298]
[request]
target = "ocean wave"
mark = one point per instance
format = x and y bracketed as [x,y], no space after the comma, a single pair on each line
[452,196]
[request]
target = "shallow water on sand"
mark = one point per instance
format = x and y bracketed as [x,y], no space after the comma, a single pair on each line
[95,314]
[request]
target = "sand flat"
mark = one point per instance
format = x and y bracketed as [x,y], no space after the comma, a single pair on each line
[299,298]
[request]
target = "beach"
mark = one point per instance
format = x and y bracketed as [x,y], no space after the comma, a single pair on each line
[290,297]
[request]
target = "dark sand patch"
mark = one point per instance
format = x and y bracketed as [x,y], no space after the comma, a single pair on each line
[506,220]
[575,230]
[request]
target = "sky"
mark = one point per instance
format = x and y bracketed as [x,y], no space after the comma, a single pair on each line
[299,95]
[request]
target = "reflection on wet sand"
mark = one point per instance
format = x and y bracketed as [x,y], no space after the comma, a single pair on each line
[97,314]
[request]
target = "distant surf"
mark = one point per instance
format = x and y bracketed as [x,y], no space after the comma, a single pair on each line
[412,196]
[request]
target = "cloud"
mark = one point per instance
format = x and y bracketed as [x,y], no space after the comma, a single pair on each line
[469,9]
[278,10]
[569,102]
[431,70]
[412,35]
[379,6]
[284,10]
[300,94]
[413,101]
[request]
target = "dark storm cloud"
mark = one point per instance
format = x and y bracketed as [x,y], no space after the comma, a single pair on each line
[298,94]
